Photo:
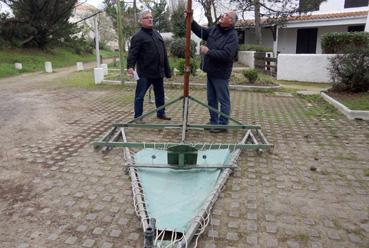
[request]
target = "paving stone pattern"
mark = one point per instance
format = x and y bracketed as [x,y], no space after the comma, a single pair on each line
[82,198]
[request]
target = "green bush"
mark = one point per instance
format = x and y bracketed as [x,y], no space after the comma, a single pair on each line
[344,42]
[177,48]
[251,75]
[80,45]
[255,47]
[181,64]
[349,72]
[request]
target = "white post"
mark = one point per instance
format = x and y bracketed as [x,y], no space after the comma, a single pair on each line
[105,67]
[97,42]
[98,75]
[18,66]
[48,67]
[367,23]
[275,43]
[80,66]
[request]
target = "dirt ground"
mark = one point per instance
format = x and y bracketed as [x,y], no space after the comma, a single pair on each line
[56,191]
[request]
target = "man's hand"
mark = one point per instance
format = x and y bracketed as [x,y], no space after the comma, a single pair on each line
[130,72]
[188,13]
[204,49]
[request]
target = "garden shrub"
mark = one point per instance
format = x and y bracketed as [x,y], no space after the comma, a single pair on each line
[181,64]
[80,45]
[349,72]
[177,48]
[251,75]
[255,47]
[339,43]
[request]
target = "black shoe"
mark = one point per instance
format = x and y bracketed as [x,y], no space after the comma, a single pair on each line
[208,128]
[164,117]
[218,130]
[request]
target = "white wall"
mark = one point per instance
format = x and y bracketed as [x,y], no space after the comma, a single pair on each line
[247,58]
[304,67]
[287,40]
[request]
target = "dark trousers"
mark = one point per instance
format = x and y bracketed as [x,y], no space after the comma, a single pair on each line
[143,85]
[218,93]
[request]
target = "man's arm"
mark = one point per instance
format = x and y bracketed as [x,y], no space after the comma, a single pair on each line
[133,53]
[228,52]
[200,31]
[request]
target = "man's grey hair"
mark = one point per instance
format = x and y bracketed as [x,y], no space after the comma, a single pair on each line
[143,13]
[234,18]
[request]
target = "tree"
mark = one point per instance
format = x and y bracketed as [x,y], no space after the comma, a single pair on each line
[160,14]
[41,21]
[179,22]
[129,17]
[274,12]
[209,8]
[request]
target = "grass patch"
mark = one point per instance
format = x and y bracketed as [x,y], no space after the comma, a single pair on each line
[366,172]
[34,59]
[349,157]
[304,85]
[357,101]
[320,108]
[85,80]
[302,237]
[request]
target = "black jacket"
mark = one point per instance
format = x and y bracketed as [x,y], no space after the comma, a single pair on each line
[223,46]
[148,52]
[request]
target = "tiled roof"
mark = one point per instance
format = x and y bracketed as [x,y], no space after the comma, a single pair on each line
[86,8]
[312,17]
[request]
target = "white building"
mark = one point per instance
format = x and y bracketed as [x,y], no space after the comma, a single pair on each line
[302,34]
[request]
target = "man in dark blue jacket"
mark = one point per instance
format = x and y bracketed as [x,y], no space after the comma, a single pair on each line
[221,48]
[148,52]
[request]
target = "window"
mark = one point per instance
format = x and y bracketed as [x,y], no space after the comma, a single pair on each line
[359,28]
[355,3]
[308,5]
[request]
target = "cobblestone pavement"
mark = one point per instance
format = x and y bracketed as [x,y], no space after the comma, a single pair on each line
[56,191]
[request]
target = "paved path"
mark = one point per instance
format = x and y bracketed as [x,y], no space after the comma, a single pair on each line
[56,191]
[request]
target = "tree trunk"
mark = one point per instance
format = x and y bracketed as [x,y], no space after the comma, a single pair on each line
[257,22]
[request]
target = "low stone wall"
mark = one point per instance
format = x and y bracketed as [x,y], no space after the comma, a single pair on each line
[304,67]
[247,58]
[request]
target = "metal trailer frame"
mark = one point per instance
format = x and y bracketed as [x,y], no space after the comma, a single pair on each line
[253,139]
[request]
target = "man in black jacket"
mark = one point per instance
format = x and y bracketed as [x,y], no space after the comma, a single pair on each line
[148,53]
[221,48]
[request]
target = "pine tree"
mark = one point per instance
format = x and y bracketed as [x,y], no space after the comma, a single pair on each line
[41,22]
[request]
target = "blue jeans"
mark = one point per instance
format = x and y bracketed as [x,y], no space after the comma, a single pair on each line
[218,92]
[143,85]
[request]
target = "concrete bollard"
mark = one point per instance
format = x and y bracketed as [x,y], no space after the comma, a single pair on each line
[48,67]
[80,66]
[18,66]
[98,75]
[105,67]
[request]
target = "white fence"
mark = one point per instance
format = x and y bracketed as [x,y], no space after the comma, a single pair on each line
[304,67]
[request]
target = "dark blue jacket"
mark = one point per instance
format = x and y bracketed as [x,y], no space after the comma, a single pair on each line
[223,46]
[148,52]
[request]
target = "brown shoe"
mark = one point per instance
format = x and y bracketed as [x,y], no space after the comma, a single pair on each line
[218,130]
[164,117]
[139,121]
